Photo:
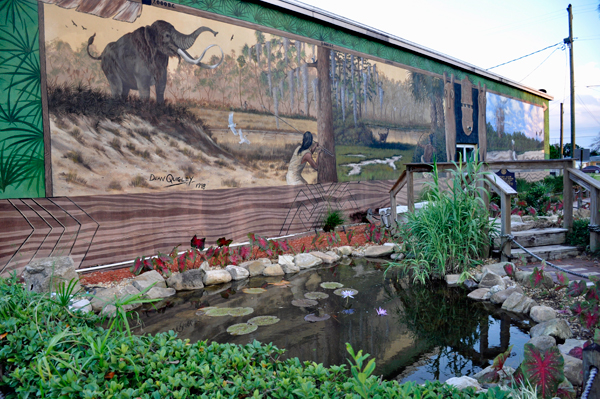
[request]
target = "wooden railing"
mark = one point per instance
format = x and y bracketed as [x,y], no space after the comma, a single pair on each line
[570,175]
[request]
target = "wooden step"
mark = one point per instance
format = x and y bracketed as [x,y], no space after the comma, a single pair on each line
[537,237]
[548,252]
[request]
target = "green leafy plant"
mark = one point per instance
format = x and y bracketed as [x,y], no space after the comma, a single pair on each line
[270,247]
[543,369]
[64,292]
[453,230]
[362,382]
[333,218]
[580,235]
[497,372]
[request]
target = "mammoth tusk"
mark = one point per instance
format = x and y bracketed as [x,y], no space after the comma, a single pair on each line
[189,59]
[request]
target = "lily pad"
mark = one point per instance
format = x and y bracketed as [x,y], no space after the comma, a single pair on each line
[240,311]
[340,290]
[314,318]
[304,303]
[217,312]
[202,311]
[316,295]
[331,285]
[264,320]
[241,329]
[254,290]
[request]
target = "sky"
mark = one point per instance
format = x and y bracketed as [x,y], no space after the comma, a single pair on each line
[487,33]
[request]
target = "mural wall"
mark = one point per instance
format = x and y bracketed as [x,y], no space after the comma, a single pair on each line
[126,128]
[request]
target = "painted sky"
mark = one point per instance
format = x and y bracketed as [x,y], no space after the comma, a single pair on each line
[519,116]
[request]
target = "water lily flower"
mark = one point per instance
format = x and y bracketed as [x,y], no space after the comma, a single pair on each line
[381,312]
[347,294]
[348,311]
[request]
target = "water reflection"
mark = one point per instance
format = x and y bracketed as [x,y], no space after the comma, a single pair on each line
[430,332]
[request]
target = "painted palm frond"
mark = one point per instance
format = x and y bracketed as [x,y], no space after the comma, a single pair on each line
[17,14]
[33,172]
[235,8]
[11,169]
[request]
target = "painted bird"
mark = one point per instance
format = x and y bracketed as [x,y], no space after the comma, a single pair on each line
[73,22]
[232,125]
[243,140]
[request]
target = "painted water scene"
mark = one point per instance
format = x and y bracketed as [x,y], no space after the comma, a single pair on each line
[177,102]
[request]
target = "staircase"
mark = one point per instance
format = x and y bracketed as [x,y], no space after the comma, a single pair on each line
[547,243]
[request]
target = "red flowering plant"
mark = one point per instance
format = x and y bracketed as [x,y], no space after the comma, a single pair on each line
[270,247]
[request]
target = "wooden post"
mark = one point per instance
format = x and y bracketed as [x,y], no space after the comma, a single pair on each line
[591,358]
[410,190]
[505,245]
[594,219]
[567,198]
[394,216]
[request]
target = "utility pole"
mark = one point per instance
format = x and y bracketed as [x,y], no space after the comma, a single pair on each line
[562,114]
[569,42]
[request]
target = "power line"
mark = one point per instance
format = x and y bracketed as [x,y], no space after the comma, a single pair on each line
[535,52]
[586,108]
[539,65]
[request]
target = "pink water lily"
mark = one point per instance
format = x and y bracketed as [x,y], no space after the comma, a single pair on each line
[381,312]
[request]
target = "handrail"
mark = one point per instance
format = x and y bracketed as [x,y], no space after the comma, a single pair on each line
[593,186]
[583,179]
[505,192]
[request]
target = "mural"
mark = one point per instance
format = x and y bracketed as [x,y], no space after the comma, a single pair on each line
[515,129]
[132,109]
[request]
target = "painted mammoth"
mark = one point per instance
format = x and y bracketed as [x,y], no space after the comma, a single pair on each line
[139,59]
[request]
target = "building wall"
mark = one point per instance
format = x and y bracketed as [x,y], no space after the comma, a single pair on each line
[87,171]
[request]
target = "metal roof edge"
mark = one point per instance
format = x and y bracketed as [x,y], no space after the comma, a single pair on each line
[356,27]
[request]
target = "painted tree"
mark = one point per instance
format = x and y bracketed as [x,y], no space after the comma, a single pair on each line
[327,172]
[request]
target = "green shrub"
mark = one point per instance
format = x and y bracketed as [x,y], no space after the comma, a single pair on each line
[580,235]
[50,352]
[452,231]
[333,218]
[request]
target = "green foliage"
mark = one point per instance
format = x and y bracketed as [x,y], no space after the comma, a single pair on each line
[333,218]
[452,231]
[64,292]
[51,353]
[580,235]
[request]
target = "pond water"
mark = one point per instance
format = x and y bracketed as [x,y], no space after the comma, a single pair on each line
[431,332]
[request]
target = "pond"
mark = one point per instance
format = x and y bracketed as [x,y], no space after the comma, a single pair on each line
[431,332]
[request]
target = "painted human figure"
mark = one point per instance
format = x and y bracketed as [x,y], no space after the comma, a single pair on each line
[302,156]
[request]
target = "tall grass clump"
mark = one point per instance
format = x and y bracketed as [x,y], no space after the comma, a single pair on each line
[452,231]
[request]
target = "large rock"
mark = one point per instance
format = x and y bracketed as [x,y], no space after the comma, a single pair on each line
[159,292]
[188,280]
[378,251]
[479,294]
[213,277]
[463,382]
[273,270]
[145,280]
[543,342]
[343,251]
[573,370]
[540,314]
[558,328]
[518,303]
[46,274]
[452,280]
[496,268]
[571,344]
[256,268]
[326,258]
[499,297]
[491,279]
[306,261]
[237,272]
[507,371]
[287,264]
[105,298]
